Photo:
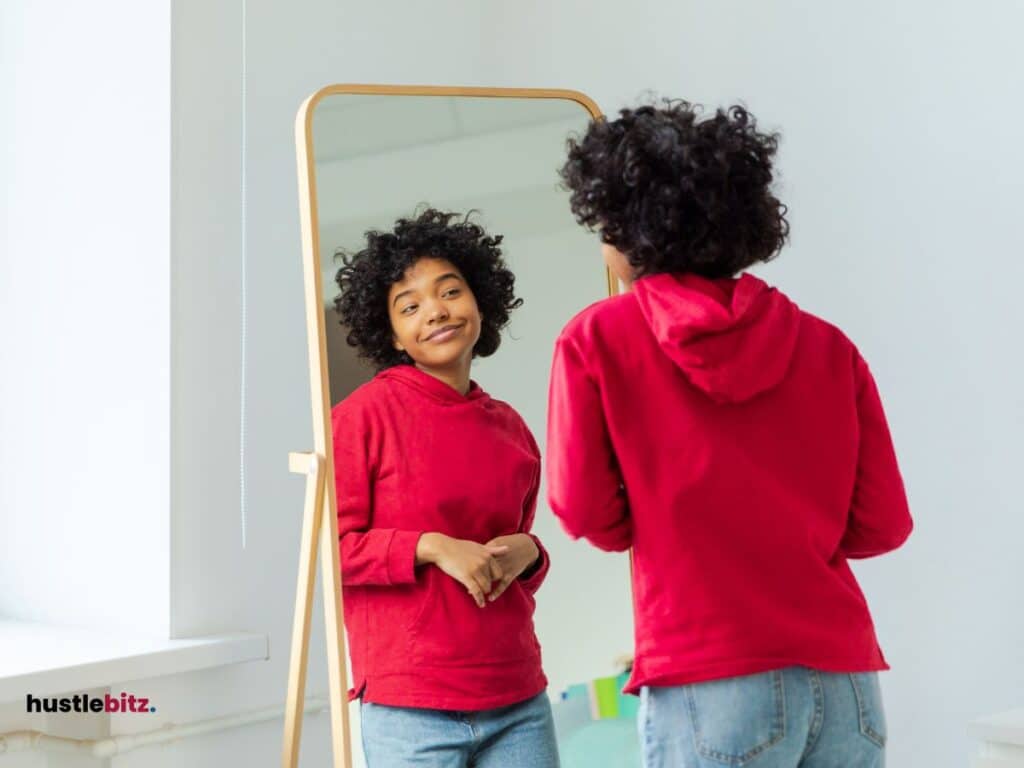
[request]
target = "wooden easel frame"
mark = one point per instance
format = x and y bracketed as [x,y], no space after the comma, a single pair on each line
[320,521]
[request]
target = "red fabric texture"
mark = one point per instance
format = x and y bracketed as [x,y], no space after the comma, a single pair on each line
[413,455]
[739,446]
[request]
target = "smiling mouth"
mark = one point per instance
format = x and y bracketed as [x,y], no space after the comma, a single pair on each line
[443,334]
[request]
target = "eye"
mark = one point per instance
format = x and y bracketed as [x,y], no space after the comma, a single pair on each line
[451,292]
[408,309]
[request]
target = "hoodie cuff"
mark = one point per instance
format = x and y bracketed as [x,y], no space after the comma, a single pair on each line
[402,557]
[533,577]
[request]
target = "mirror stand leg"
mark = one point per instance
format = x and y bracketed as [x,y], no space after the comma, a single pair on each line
[317,527]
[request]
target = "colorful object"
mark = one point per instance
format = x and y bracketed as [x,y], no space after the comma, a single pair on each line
[604,697]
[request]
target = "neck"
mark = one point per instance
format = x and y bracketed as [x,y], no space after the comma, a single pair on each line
[455,375]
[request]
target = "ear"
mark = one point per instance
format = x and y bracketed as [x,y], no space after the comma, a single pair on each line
[397,344]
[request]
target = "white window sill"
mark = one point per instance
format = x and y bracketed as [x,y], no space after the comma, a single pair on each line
[1004,728]
[43,659]
[1002,740]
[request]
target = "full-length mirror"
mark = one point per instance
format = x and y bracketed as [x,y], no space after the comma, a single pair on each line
[417,635]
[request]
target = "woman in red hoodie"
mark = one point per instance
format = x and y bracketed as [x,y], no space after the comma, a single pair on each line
[436,486]
[735,442]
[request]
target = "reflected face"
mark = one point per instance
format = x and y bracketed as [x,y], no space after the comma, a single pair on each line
[434,316]
[617,262]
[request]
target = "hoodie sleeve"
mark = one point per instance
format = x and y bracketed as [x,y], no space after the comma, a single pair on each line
[534,576]
[378,556]
[585,488]
[879,518]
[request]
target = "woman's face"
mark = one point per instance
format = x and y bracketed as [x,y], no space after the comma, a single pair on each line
[617,262]
[434,317]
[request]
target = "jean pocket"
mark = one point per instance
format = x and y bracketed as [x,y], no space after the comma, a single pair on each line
[737,718]
[870,711]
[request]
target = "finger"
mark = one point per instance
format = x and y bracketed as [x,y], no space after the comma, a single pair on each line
[483,583]
[497,573]
[498,549]
[474,591]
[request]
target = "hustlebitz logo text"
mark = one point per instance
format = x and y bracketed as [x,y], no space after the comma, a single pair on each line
[83,702]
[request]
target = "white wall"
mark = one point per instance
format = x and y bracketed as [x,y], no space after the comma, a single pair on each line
[898,162]
[84,308]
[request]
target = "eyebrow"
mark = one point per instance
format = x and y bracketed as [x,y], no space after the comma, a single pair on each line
[445,276]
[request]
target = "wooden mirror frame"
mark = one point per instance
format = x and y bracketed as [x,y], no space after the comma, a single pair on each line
[320,521]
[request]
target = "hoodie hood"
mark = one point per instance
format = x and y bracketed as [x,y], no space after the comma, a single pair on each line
[733,338]
[433,387]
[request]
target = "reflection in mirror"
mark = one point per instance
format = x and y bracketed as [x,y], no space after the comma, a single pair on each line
[384,157]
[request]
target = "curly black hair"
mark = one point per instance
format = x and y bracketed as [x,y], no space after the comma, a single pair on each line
[367,277]
[676,193]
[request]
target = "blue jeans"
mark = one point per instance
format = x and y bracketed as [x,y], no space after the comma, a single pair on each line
[509,737]
[789,718]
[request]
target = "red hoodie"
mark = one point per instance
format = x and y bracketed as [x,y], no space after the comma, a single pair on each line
[738,445]
[413,455]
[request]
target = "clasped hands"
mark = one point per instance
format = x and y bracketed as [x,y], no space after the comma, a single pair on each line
[485,570]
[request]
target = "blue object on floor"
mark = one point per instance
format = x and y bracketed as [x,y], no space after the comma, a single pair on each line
[586,737]
[609,743]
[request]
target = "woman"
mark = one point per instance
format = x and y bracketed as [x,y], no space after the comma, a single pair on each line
[735,442]
[437,485]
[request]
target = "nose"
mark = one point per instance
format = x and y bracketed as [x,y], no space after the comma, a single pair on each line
[437,312]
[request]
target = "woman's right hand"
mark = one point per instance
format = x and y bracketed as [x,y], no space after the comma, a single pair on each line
[473,565]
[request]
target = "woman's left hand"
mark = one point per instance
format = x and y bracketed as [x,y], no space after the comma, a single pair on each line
[522,553]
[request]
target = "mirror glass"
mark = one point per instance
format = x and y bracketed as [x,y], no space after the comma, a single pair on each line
[378,158]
